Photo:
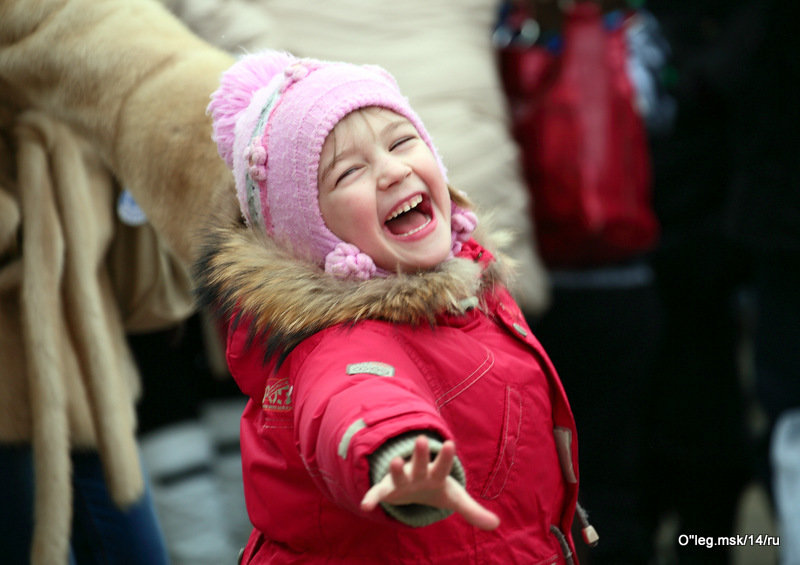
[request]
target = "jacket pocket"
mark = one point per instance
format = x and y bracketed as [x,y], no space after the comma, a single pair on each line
[512,422]
[457,388]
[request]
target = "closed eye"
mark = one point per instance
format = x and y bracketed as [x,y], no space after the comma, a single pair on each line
[401,141]
[345,174]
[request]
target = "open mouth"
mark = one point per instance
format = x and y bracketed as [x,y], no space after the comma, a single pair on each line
[409,217]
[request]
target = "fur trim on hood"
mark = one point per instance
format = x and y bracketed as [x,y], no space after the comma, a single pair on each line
[286,299]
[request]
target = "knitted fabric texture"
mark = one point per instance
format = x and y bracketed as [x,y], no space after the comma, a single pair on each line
[271,116]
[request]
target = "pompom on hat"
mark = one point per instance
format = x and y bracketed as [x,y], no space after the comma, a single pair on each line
[271,116]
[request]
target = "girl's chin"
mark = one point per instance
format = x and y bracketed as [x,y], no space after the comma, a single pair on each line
[422,260]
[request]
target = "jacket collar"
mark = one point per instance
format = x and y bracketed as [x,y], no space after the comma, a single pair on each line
[286,300]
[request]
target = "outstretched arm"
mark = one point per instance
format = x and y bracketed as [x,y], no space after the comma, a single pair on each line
[430,483]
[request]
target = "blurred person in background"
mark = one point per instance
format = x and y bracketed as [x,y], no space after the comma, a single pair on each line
[767,211]
[603,326]
[724,195]
[117,108]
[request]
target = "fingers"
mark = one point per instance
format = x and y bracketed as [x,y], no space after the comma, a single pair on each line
[485,520]
[374,496]
[443,464]
[469,508]
[384,488]
[397,471]
[405,478]
[422,481]
[420,459]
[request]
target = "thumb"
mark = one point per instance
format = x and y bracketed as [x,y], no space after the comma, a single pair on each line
[470,509]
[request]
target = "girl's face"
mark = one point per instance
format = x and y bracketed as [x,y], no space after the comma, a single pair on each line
[381,189]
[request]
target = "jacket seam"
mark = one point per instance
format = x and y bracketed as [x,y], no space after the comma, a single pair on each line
[467,382]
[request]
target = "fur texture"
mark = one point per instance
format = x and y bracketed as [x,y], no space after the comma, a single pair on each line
[80,378]
[288,299]
[135,82]
[131,80]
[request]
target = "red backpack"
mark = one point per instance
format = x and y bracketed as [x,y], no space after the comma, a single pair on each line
[585,152]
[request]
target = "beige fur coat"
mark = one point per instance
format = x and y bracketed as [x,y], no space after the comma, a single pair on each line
[95,95]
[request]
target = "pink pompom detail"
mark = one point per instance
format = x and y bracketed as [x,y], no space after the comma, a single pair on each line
[237,87]
[295,72]
[347,262]
[256,157]
[462,224]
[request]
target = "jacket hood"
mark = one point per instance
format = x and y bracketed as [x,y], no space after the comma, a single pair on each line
[243,274]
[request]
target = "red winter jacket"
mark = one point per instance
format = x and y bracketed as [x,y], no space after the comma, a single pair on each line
[370,361]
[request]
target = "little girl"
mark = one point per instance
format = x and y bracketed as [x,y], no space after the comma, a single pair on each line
[400,409]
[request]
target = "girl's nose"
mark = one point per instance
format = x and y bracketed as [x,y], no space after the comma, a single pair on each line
[393,171]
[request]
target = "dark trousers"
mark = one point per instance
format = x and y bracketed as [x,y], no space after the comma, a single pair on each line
[102,534]
[700,452]
[603,343]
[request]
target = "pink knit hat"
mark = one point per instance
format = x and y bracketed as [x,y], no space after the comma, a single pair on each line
[271,114]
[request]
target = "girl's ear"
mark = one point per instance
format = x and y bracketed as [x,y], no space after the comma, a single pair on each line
[459,198]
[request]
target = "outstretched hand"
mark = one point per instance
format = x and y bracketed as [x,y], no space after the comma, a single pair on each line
[422,481]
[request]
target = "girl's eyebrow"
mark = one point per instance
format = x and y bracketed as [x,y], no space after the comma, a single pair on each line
[330,166]
[386,130]
[393,125]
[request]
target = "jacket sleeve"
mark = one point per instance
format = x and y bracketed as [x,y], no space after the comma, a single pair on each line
[355,393]
[135,82]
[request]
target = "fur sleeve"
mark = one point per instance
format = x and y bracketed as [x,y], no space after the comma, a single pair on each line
[132,79]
